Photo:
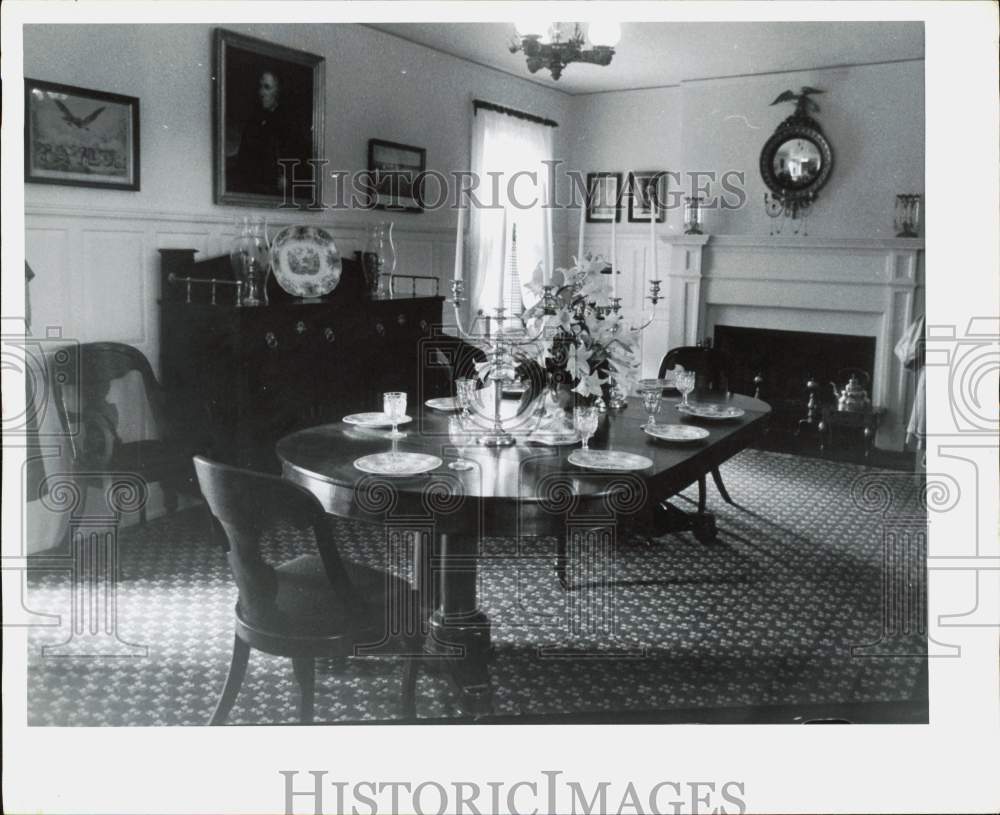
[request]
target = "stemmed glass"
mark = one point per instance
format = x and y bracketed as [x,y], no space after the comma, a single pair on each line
[585,417]
[651,402]
[458,436]
[394,407]
[465,392]
[684,381]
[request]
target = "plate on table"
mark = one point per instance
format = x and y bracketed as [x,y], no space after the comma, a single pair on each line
[395,463]
[710,410]
[676,432]
[656,384]
[617,460]
[305,261]
[374,420]
[554,438]
[446,403]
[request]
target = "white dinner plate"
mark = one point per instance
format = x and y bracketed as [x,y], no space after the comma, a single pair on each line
[443,403]
[656,384]
[608,460]
[374,420]
[554,438]
[675,432]
[710,410]
[399,464]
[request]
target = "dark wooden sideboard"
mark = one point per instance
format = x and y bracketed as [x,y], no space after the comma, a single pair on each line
[238,379]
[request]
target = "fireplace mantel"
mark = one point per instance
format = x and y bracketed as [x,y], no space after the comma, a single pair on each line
[862,286]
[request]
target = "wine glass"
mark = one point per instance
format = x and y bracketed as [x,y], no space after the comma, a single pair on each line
[394,407]
[458,436]
[651,402]
[684,382]
[585,418]
[465,392]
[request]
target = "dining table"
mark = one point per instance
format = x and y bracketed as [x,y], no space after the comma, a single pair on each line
[527,491]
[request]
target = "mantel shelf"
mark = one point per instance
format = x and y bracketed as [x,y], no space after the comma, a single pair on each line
[795,242]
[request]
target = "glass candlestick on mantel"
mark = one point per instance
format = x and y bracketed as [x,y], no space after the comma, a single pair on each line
[907,215]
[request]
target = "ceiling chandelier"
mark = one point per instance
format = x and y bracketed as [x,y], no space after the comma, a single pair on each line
[556,45]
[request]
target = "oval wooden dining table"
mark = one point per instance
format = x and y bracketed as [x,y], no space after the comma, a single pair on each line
[524,491]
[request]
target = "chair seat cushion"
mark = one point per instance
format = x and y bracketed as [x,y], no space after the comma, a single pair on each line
[306,605]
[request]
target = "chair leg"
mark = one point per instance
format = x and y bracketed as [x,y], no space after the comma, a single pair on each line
[305,674]
[237,670]
[408,702]
[701,495]
[717,478]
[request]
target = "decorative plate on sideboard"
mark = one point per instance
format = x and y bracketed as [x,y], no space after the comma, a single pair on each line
[305,261]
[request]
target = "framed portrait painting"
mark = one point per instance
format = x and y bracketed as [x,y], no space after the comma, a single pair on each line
[80,137]
[647,194]
[396,172]
[604,198]
[268,123]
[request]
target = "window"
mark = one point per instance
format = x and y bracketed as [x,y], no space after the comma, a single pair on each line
[509,155]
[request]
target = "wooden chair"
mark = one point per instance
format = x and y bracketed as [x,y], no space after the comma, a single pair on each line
[311,607]
[111,408]
[711,376]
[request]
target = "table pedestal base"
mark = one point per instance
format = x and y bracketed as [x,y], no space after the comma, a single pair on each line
[461,651]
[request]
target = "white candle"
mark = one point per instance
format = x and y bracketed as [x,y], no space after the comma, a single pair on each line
[583,220]
[652,243]
[614,265]
[459,243]
[550,248]
[503,261]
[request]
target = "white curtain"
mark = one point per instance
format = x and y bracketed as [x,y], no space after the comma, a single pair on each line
[512,150]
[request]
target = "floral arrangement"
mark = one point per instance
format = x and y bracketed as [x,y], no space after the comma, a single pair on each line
[584,344]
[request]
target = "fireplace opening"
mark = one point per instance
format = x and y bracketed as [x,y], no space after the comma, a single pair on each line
[786,360]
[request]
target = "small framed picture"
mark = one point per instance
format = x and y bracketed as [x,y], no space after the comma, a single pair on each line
[604,198]
[80,137]
[268,121]
[397,175]
[647,192]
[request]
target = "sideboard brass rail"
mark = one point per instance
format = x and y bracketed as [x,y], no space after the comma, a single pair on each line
[206,281]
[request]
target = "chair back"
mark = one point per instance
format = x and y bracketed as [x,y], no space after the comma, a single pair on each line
[106,394]
[710,365]
[248,506]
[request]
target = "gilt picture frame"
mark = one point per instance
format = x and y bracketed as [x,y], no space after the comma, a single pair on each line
[80,137]
[268,123]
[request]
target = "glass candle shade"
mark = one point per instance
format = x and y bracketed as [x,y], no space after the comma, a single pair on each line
[907,215]
[693,215]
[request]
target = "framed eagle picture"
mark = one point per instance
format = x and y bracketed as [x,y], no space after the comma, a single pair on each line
[80,137]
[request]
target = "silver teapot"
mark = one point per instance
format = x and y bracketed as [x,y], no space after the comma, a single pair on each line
[853,398]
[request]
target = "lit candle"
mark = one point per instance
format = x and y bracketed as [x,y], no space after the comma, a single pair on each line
[583,220]
[458,243]
[503,260]
[652,243]
[614,265]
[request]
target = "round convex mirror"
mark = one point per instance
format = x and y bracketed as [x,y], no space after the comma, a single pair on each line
[797,162]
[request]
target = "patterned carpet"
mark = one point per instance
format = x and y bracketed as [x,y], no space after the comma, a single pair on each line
[767,616]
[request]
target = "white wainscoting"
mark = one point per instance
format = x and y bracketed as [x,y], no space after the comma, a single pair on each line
[865,287]
[98,271]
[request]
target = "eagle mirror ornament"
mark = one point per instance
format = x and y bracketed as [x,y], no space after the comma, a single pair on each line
[796,160]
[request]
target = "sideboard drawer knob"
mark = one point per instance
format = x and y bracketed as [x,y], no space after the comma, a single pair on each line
[424,326]
[328,334]
[270,340]
[300,327]
[401,319]
[379,329]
